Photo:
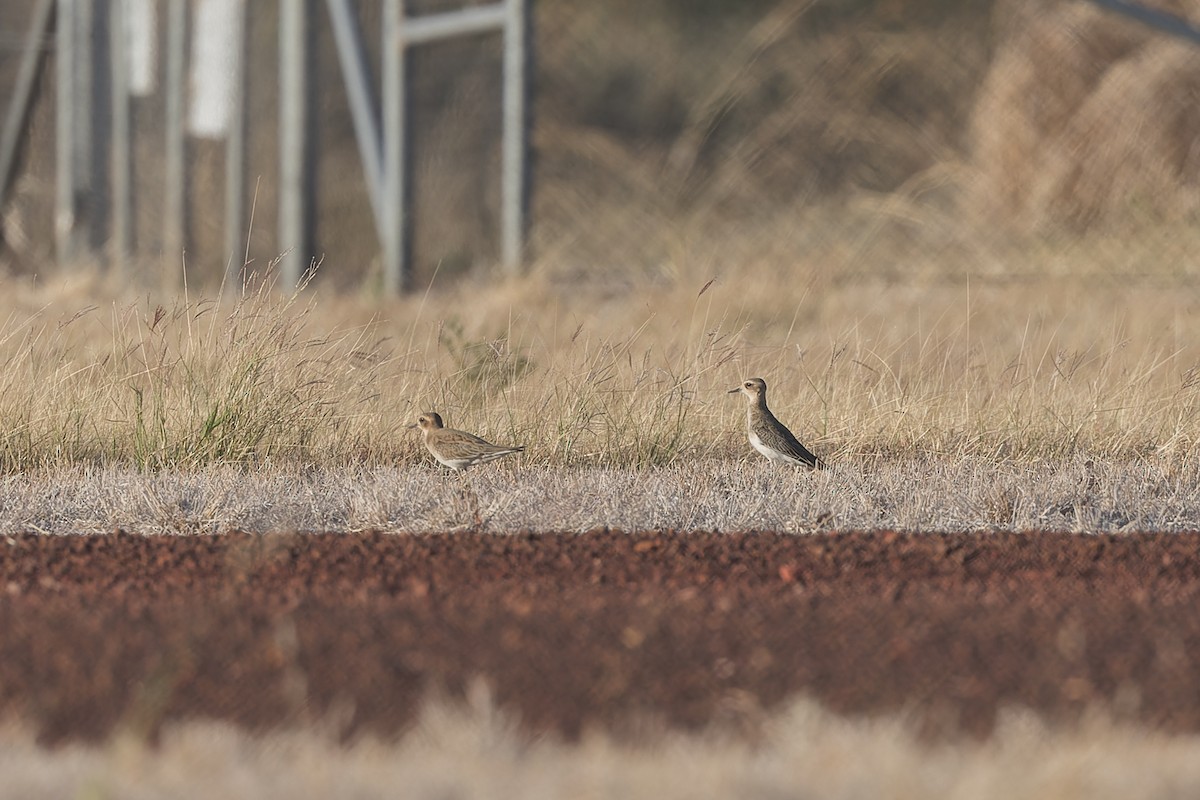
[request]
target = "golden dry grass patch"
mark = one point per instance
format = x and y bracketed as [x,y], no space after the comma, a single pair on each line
[1085,121]
[954,366]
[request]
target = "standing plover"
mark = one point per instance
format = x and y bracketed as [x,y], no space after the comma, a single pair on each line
[457,449]
[767,434]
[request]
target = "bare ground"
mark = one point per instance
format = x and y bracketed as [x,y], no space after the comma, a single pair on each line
[602,630]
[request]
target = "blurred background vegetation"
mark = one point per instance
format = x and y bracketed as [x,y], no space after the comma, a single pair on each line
[863,135]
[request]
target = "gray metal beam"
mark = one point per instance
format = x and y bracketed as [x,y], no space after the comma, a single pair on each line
[431,28]
[174,232]
[122,145]
[395,217]
[64,130]
[90,137]
[16,126]
[93,123]
[293,141]
[515,142]
[236,246]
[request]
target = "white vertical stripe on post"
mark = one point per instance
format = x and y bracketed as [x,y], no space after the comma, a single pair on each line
[514,146]
[211,62]
[64,148]
[293,113]
[141,19]
[235,156]
[175,171]
[395,150]
[122,156]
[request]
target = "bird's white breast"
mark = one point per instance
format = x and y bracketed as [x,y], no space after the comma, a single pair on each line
[771,453]
[758,445]
[457,464]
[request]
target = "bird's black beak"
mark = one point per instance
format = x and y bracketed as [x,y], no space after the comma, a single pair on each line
[414,425]
[734,391]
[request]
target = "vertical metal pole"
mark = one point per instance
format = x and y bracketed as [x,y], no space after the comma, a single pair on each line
[94,135]
[514,146]
[513,194]
[122,156]
[293,120]
[174,230]
[90,135]
[235,160]
[64,145]
[394,227]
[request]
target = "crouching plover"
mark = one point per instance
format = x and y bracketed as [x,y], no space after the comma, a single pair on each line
[457,449]
[767,434]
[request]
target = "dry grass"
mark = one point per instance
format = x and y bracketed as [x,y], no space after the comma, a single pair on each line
[909,494]
[174,385]
[889,328]
[964,361]
[806,229]
[1086,120]
[473,751]
[989,399]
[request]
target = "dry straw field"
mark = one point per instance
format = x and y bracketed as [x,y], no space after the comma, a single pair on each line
[996,327]
[987,390]
[1059,396]
[1020,286]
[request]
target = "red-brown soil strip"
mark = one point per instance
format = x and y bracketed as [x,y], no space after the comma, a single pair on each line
[570,631]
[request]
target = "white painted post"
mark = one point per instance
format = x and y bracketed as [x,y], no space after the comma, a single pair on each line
[235,158]
[122,153]
[395,221]
[293,138]
[175,170]
[141,19]
[513,190]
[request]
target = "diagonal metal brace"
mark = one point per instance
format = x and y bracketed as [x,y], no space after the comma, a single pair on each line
[1166,22]
[32,58]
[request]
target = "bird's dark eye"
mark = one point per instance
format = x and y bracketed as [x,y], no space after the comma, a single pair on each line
[749,385]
